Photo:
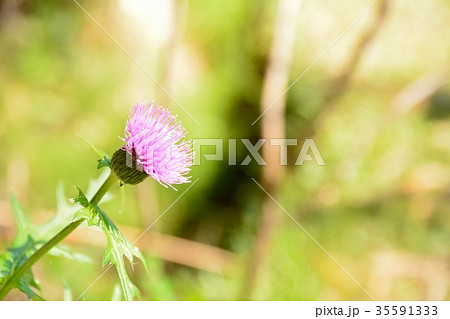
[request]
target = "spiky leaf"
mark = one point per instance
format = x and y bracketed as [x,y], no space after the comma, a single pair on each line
[118,245]
[30,238]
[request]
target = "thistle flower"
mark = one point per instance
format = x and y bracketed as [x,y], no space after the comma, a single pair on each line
[153,147]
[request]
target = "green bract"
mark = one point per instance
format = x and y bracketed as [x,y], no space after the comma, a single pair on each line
[125,168]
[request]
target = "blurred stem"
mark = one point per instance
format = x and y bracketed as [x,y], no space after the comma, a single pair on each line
[12,281]
[273,126]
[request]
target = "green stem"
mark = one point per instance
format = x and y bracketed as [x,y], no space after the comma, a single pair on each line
[104,188]
[12,281]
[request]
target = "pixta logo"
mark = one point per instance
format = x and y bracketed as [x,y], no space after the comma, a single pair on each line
[308,152]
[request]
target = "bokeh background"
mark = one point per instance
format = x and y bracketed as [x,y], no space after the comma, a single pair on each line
[377,105]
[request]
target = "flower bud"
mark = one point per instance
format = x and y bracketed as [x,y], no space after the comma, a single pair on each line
[123,164]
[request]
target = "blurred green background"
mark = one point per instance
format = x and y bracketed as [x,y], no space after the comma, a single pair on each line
[377,106]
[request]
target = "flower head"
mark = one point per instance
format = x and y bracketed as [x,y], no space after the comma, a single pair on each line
[154,147]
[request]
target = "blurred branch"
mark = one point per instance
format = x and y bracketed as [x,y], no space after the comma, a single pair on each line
[340,83]
[273,126]
[169,248]
[403,102]
[418,91]
[179,11]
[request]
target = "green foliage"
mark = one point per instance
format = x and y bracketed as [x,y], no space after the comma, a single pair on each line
[11,259]
[22,247]
[118,245]
[30,238]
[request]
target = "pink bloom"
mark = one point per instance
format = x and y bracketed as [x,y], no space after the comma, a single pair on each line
[153,138]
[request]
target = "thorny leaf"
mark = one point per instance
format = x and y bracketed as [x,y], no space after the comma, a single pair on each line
[30,238]
[118,245]
[13,258]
